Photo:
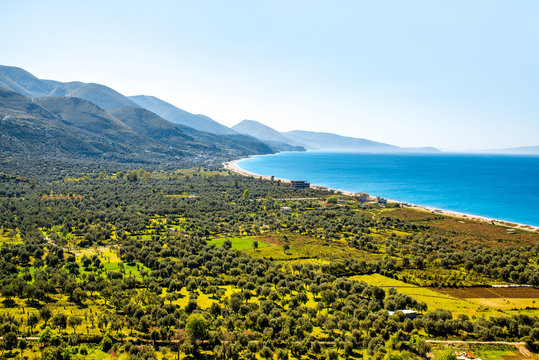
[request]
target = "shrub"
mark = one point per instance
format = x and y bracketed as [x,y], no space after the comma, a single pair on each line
[106,344]
[83,349]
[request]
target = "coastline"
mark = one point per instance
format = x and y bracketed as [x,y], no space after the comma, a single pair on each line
[234,167]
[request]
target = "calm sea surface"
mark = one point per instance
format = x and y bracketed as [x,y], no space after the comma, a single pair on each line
[498,186]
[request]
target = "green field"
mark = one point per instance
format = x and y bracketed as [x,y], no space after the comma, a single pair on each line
[493,352]
[506,303]
[308,249]
[433,299]
[128,270]
[240,243]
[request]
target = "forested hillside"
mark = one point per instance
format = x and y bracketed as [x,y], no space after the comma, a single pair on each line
[70,127]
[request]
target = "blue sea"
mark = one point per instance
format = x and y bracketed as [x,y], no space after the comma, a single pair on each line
[504,187]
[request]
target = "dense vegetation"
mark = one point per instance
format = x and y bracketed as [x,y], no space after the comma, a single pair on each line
[142,263]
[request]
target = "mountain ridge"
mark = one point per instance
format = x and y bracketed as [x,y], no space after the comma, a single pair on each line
[330,141]
[264,133]
[108,99]
[24,83]
[74,127]
[179,116]
[312,140]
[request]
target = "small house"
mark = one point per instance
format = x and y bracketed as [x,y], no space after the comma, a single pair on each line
[409,314]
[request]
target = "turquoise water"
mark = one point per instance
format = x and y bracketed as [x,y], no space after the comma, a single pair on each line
[498,186]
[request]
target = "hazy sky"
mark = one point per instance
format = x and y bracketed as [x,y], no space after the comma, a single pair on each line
[458,75]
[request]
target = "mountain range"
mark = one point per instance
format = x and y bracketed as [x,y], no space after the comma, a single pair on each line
[179,116]
[76,127]
[87,119]
[311,140]
[268,135]
[26,84]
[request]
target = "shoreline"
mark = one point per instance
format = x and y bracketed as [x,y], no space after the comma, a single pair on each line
[234,167]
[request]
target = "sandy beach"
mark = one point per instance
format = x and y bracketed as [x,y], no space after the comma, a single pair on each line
[233,166]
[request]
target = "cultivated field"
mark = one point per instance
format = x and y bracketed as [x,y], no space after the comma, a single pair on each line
[492,292]
[508,300]
[441,298]
[240,243]
[305,249]
[466,232]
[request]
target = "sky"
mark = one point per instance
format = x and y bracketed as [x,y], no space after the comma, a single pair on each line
[458,75]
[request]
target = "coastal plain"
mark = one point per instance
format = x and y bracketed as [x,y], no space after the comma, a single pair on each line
[116,253]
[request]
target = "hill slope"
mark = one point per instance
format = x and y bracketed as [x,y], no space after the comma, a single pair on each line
[327,141]
[82,114]
[262,132]
[147,123]
[29,129]
[179,116]
[101,95]
[24,83]
[234,144]
[68,126]
[270,136]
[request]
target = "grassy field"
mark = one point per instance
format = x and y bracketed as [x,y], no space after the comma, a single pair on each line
[497,352]
[306,249]
[129,270]
[486,352]
[111,262]
[60,304]
[240,243]
[506,303]
[516,300]
[433,299]
[142,237]
[106,254]
[204,301]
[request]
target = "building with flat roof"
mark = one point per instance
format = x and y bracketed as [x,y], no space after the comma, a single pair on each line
[299,184]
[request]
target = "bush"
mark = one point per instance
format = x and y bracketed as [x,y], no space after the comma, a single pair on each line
[73,340]
[445,355]
[46,335]
[332,355]
[106,344]
[332,200]
[83,349]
